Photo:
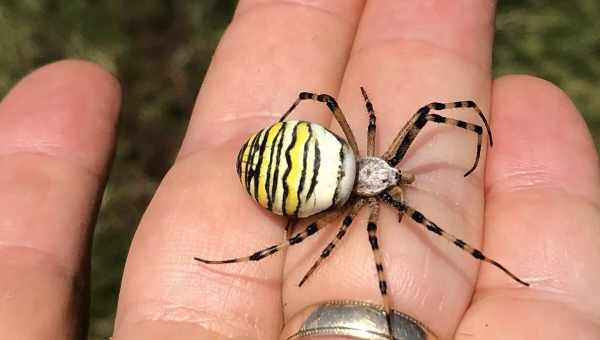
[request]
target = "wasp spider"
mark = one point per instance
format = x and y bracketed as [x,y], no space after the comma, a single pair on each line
[298,169]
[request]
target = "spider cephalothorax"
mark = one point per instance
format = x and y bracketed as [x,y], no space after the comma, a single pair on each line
[299,169]
[375,176]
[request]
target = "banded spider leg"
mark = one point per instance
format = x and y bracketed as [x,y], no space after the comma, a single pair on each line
[335,110]
[434,228]
[308,231]
[409,132]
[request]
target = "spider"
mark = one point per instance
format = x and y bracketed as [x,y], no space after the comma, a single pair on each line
[299,169]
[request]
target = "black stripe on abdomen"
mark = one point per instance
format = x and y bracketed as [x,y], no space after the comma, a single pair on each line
[288,159]
[268,180]
[304,163]
[278,162]
[261,153]
[316,166]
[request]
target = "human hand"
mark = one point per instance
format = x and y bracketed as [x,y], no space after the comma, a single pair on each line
[541,187]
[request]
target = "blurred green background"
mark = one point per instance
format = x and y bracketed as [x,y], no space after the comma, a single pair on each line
[160,51]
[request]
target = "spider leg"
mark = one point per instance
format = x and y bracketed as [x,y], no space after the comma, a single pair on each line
[372,231]
[421,219]
[289,227]
[335,109]
[408,134]
[372,124]
[340,234]
[398,195]
[310,230]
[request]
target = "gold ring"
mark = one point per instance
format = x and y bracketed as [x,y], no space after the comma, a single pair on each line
[354,319]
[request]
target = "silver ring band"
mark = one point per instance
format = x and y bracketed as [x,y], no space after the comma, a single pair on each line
[354,319]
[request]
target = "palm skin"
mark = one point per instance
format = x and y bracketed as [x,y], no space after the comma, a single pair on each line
[541,186]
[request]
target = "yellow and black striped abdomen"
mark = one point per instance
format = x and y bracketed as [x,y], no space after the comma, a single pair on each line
[297,168]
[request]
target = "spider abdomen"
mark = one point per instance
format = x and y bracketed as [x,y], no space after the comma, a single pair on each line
[297,168]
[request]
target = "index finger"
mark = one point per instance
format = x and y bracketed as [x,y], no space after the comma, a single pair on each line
[58,126]
[271,51]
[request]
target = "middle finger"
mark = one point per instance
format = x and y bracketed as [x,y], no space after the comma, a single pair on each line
[408,54]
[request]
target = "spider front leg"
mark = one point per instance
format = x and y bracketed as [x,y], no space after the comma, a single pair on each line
[356,206]
[372,124]
[310,230]
[422,220]
[408,134]
[335,110]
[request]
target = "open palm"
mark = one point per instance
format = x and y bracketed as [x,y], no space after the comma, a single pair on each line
[541,188]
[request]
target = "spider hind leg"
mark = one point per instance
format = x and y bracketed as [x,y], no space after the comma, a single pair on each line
[335,110]
[356,206]
[310,230]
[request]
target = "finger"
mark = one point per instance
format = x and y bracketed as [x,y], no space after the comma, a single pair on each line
[542,215]
[58,130]
[271,51]
[408,54]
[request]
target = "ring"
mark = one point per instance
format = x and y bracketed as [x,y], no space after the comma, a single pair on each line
[354,319]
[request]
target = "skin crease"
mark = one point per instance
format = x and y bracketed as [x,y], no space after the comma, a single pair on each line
[541,186]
